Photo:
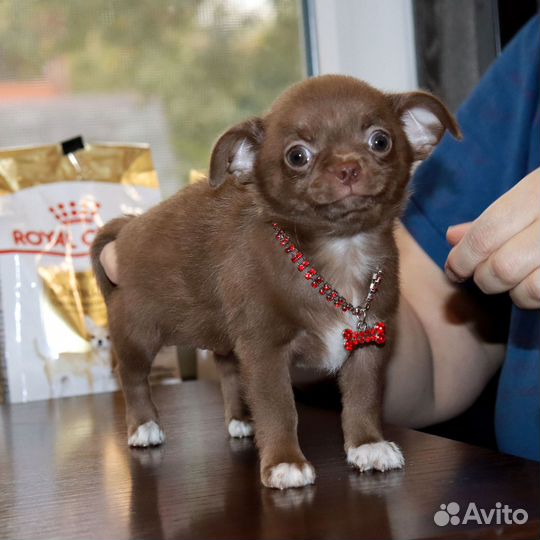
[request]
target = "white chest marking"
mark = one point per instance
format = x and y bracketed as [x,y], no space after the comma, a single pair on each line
[335,351]
[349,261]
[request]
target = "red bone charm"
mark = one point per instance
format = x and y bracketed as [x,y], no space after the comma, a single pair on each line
[371,334]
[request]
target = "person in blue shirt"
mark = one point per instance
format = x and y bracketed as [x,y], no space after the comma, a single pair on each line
[452,335]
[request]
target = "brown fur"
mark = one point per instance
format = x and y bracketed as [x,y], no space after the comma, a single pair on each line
[203,268]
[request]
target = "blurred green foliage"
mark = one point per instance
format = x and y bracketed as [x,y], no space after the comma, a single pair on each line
[210,62]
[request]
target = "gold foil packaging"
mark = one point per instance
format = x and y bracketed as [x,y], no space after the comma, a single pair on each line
[74,295]
[129,165]
[53,326]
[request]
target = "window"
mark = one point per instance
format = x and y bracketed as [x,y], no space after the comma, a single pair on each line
[171,73]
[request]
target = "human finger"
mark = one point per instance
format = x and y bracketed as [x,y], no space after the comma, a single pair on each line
[507,216]
[108,260]
[456,232]
[527,294]
[511,263]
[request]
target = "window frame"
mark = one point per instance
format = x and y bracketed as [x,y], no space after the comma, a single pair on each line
[368,39]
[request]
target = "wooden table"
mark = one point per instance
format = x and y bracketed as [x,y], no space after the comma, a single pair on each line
[66,472]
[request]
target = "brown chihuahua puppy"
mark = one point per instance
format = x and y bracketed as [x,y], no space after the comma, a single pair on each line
[224,266]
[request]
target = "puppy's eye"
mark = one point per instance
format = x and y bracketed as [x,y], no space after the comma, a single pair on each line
[380,142]
[298,156]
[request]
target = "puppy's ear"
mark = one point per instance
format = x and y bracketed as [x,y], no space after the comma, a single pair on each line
[425,119]
[234,153]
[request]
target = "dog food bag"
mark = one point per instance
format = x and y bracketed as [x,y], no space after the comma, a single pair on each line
[53,324]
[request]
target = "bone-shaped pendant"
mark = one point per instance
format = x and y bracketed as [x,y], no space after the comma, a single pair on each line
[371,334]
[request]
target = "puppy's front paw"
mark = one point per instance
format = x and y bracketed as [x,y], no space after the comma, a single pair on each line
[381,456]
[239,429]
[147,434]
[289,475]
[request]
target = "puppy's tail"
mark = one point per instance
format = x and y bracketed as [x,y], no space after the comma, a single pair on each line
[106,234]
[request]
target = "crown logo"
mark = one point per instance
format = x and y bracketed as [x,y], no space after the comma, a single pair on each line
[73,212]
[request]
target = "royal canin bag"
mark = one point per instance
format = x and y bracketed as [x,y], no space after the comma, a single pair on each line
[53,323]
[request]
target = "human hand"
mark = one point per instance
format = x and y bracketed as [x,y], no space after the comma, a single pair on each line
[501,248]
[107,258]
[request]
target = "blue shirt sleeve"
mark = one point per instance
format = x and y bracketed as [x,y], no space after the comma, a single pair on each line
[501,144]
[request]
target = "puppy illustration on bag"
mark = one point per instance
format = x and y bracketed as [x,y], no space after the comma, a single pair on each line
[286,256]
[61,369]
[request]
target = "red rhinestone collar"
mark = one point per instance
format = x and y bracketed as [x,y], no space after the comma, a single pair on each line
[365,334]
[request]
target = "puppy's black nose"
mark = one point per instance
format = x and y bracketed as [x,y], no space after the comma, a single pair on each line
[348,172]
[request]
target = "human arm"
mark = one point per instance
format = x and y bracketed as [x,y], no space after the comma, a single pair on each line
[443,356]
[455,186]
[444,352]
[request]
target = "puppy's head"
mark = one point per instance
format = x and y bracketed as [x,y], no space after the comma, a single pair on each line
[334,152]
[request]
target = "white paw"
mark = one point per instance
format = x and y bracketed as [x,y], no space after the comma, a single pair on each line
[290,475]
[239,429]
[148,434]
[381,456]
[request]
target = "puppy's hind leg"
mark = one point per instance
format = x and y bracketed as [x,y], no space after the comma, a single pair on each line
[135,353]
[141,413]
[237,417]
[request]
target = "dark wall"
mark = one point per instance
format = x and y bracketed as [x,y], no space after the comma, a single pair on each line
[456,41]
